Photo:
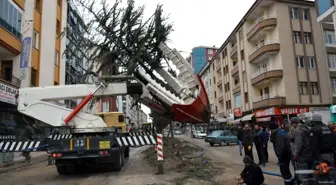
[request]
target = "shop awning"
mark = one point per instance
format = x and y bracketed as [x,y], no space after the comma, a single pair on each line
[247,117]
[236,121]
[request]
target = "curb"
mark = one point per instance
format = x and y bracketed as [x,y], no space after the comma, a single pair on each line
[20,163]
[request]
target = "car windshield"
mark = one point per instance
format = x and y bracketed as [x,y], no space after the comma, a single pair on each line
[215,133]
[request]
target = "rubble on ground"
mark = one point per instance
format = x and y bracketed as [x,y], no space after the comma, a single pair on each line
[185,158]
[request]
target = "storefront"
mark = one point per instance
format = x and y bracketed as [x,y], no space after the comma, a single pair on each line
[278,115]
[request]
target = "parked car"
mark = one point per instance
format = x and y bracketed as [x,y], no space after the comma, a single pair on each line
[221,137]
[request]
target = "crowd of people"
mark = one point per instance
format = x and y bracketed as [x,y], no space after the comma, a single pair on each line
[310,146]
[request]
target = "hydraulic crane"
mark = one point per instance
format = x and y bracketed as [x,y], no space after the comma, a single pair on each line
[91,141]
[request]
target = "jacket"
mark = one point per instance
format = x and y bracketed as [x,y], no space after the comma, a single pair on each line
[252,175]
[240,134]
[258,137]
[248,138]
[266,137]
[300,143]
[281,143]
[322,139]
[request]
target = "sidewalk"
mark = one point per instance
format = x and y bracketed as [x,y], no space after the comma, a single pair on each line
[19,162]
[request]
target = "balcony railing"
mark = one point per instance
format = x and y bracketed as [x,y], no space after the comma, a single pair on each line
[259,72]
[258,20]
[236,85]
[266,42]
[10,79]
[263,97]
[10,28]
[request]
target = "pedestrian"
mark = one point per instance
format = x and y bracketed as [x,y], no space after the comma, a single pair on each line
[322,147]
[283,152]
[266,136]
[240,133]
[252,173]
[299,136]
[248,141]
[259,142]
[27,135]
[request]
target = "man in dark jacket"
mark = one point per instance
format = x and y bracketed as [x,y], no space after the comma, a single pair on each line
[252,173]
[266,136]
[28,135]
[283,152]
[248,141]
[259,142]
[323,143]
[299,141]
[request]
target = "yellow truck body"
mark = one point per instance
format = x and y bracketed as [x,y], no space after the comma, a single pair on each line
[114,119]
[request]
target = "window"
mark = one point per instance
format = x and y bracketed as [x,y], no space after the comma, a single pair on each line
[106,107]
[312,63]
[314,88]
[297,36]
[294,13]
[299,62]
[36,39]
[329,37]
[33,77]
[305,14]
[303,88]
[242,55]
[332,61]
[38,5]
[307,37]
[210,51]
[333,85]
[58,28]
[10,18]
[238,100]
[246,97]
[56,58]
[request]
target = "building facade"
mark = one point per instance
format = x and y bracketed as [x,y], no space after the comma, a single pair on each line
[327,18]
[273,63]
[200,56]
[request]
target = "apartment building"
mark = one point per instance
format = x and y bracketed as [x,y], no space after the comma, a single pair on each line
[30,47]
[272,65]
[327,19]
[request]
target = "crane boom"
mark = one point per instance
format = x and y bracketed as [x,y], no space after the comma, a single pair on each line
[32,102]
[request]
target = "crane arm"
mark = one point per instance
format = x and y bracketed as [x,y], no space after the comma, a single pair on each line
[33,102]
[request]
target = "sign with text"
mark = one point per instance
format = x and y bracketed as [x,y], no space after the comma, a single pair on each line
[299,110]
[265,112]
[237,112]
[281,111]
[24,60]
[7,94]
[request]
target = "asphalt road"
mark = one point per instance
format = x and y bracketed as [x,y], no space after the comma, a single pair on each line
[233,162]
[135,171]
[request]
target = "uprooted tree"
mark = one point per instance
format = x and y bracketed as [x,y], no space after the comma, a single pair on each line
[117,39]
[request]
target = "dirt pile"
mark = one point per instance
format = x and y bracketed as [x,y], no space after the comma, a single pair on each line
[186,159]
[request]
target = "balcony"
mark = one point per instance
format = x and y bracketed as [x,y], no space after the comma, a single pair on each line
[265,76]
[220,99]
[260,27]
[268,100]
[9,80]
[233,52]
[236,88]
[219,83]
[10,38]
[235,69]
[330,41]
[264,50]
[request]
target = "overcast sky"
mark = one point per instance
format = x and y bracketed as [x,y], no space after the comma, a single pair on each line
[199,22]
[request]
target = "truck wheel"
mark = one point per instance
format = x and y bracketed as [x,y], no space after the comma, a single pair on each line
[118,164]
[61,170]
[212,144]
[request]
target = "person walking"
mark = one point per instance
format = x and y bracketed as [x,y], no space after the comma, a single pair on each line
[27,135]
[283,152]
[248,141]
[301,152]
[259,142]
[322,144]
[266,136]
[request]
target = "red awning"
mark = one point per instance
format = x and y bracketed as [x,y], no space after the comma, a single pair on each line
[197,112]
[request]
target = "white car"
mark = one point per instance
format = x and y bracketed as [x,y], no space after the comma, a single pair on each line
[198,134]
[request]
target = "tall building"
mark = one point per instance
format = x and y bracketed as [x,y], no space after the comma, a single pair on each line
[30,46]
[200,56]
[272,65]
[327,19]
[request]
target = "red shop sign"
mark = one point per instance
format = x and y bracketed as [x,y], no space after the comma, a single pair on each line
[265,112]
[237,112]
[299,110]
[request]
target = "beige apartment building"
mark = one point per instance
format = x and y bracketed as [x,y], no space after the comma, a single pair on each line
[273,65]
